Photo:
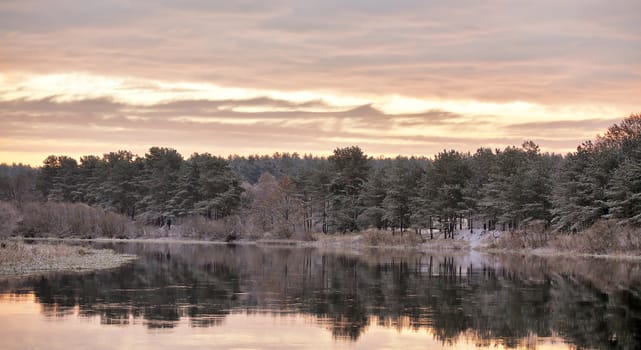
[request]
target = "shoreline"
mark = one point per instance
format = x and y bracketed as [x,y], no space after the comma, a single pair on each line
[343,243]
[438,244]
[545,253]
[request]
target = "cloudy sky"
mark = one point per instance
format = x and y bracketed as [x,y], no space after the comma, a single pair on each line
[241,77]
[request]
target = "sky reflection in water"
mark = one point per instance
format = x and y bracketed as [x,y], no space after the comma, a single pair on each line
[200,296]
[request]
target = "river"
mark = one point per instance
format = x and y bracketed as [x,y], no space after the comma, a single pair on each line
[196,296]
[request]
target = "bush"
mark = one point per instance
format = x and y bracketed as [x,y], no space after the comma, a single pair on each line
[522,240]
[113,225]
[72,219]
[386,238]
[229,228]
[631,238]
[251,231]
[39,219]
[600,238]
[9,217]
[608,236]
[305,237]
[604,237]
[195,226]
[79,219]
[283,231]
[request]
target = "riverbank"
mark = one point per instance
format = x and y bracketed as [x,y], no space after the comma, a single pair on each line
[551,253]
[593,243]
[495,243]
[19,259]
[605,239]
[351,241]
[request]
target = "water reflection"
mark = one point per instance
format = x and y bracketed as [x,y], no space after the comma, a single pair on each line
[510,301]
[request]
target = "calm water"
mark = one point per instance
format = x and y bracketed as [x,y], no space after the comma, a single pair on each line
[252,297]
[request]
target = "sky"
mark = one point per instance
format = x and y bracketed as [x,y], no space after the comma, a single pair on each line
[258,77]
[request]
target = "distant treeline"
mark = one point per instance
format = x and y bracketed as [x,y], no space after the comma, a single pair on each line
[347,191]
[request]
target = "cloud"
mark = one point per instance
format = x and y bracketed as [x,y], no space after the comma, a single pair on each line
[544,51]
[564,125]
[41,127]
[247,76]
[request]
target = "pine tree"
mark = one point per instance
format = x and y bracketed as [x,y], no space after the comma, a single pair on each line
[159,178]
[58,179]
[578,197]
[372,197]
[188,193]
[219,187]
[119,188]
[402,185]
[624,193]
[351,168]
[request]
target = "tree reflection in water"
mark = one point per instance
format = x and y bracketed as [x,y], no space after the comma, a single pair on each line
[589,303]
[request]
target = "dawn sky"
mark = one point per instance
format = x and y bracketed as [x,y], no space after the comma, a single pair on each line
[242,77]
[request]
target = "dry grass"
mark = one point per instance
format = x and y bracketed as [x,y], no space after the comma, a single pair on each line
[339,240]
[445,244]
[379,238]
[305,237]
[604,237]
[385,239]
[518,240]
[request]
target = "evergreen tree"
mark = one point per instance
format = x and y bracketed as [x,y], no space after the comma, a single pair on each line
[188,193]
[119,188]
[444,185]
[401,186]
[577,200]
[351,168]
[372,197]
[58,179]
[159,178]
[624,193]
[219,187]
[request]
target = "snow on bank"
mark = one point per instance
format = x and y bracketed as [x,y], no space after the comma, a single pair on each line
[478,237]
[17,258]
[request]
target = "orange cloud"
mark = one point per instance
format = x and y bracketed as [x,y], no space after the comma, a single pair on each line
[409,77]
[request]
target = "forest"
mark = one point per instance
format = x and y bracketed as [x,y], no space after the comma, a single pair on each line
[491,189]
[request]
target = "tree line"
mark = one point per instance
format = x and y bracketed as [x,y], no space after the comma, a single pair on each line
[492,189]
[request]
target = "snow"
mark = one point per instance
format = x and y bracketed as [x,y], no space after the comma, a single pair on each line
[477,237]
